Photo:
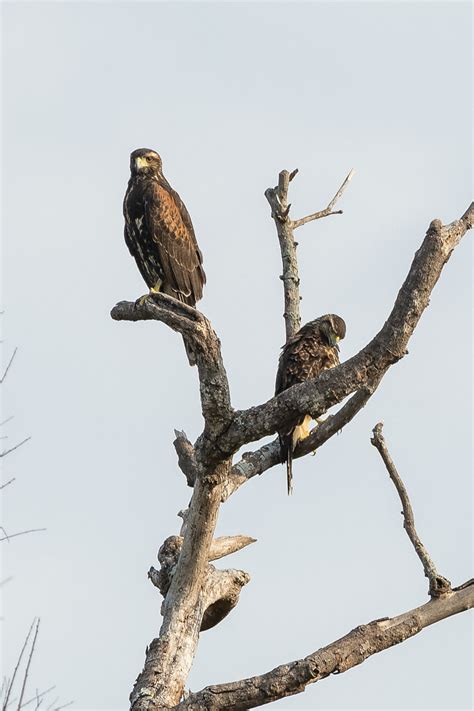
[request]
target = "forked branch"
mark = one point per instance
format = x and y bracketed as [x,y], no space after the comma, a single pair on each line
[213,383]
[327,210]
[372,362]
[278,200]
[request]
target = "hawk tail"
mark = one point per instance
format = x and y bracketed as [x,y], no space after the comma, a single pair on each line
[289,470]
[287,456]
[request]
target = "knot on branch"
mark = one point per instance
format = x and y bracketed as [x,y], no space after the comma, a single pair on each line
[170,550]
[435,226]
[221,592]
[439,586]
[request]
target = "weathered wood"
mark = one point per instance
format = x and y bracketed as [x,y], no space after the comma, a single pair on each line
[198,596]
[170,655]
[371,363]
[439,585]
[338,657]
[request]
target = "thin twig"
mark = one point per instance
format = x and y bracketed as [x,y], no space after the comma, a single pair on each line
[10,481]
[51,705]
[12,449]
[438,584]
[15,671]
[28,664]
[41,696]
[327,210]
[8,366]
[20,533]
[64,706]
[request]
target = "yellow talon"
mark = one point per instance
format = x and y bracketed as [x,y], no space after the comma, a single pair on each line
[157,287]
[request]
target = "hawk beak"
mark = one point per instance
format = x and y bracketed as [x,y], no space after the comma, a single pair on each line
[139,163]
[334,340]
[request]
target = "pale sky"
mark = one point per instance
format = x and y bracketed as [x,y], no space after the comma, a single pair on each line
[229,94]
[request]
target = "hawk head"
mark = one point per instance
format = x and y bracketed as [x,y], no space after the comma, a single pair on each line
[144,161]
[333,328]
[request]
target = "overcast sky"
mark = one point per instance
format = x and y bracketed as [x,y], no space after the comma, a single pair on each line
[229,94]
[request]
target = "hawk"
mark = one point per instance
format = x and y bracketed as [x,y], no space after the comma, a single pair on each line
[304,357]
[160,235]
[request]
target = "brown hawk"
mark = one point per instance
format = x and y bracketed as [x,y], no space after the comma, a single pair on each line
[304,357]
[159,233]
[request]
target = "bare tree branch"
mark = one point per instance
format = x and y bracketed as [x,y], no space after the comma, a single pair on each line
[338,657]
[12,449]
[28,664]
[315,397]
[38,696]
[327,210]
[169,656]
[214,386]
[256,463]
[8,367]
[438,584]
[278,200]
[7,536]
[17,666]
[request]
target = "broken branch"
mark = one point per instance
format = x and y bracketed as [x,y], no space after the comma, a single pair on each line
[438,584]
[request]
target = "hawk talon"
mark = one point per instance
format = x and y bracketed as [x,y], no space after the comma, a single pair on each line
[140,301]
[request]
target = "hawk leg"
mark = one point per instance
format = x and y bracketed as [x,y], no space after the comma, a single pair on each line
[153,290]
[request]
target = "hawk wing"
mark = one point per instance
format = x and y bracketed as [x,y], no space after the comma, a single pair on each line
[171,233]
[303,357]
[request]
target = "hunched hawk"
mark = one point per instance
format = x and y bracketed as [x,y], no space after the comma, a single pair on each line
[304,357]
[159,233]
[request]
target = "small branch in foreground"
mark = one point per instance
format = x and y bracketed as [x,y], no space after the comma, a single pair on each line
[338,657]
[438,584]
[28,664]
[8,367]
[15,671]
[7,536]
[12,449]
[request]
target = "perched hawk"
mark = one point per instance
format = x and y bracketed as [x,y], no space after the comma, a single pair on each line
[304,357]
[159,233]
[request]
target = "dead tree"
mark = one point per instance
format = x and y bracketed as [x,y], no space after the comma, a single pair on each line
[197,595]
